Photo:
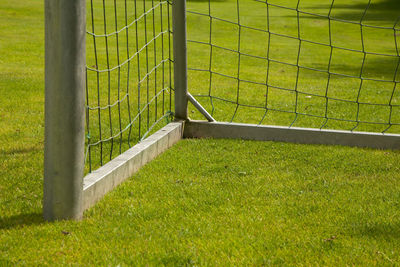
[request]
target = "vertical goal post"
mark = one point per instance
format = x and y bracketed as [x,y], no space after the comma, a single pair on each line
[65,63]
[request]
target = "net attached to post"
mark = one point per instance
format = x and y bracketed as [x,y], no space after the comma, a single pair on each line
[321,64]
[128,91]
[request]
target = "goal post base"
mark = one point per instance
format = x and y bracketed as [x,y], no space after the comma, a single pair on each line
[203,129]
[99,182]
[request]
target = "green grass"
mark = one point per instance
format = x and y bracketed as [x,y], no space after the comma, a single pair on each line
[230,202]
[203,202]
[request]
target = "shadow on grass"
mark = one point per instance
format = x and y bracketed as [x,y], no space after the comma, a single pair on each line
[381,231]
[21,220]
[4,262]
[378,68]
[382,60]
[385,11]
[24,150]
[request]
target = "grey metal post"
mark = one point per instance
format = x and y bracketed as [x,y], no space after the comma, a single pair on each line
[180,58]
[65,30]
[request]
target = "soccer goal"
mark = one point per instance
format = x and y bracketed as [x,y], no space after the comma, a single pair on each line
[127,79]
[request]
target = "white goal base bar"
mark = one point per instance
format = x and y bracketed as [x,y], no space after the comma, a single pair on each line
[202,129]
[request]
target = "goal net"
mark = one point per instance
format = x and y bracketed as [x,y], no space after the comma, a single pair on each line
[128,92]
[326,64]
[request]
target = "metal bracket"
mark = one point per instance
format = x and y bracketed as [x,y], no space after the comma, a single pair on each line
[200,108]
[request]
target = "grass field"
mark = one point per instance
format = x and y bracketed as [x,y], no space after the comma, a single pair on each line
[203,202]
